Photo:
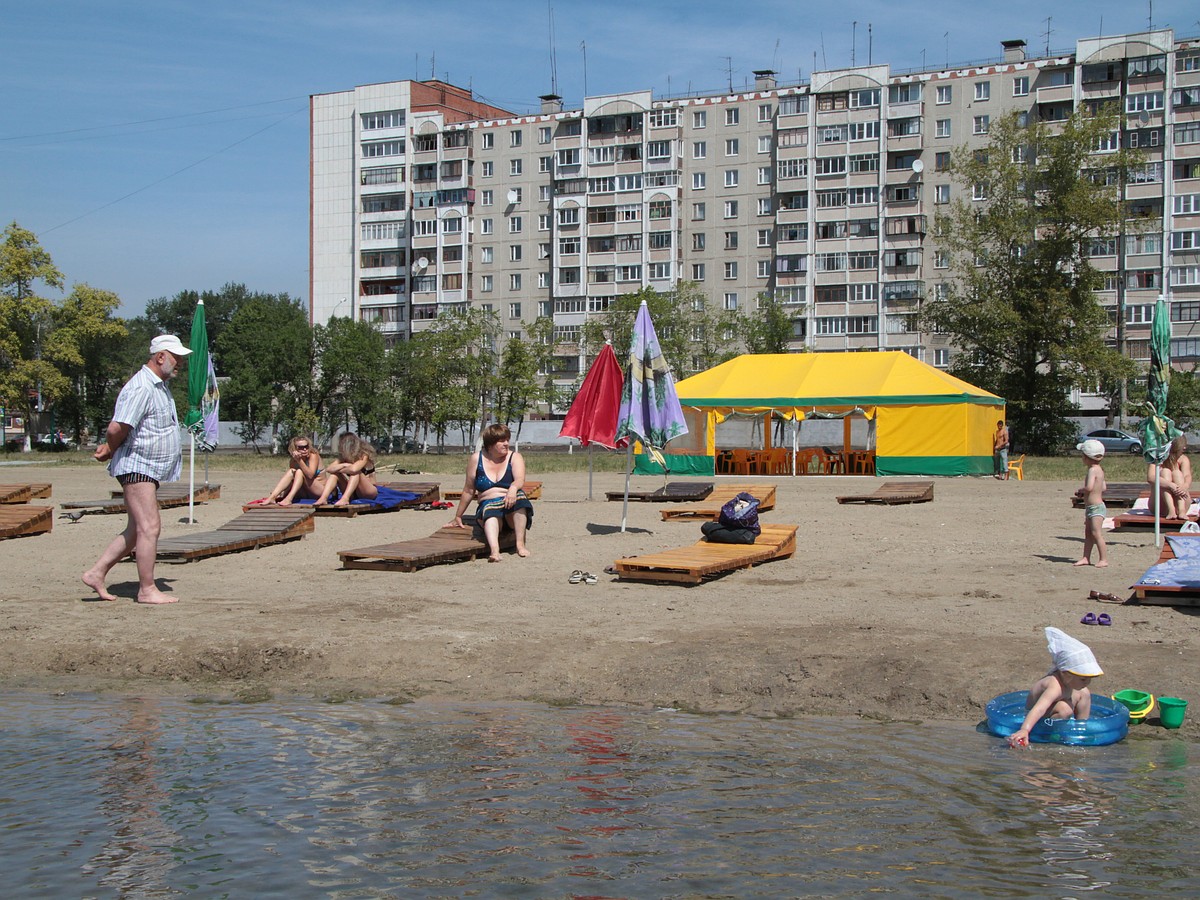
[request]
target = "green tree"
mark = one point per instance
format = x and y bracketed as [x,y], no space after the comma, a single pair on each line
[353,382]
[767,329]
[519,385]
[1020,303]
[29,378]
[84,337]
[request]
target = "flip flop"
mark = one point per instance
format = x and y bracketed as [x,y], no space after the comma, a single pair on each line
[1088,619]
[1104,619]
[576,576]
[589,578]
[610,570]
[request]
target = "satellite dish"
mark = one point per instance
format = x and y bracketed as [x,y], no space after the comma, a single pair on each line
[918,166]
[420,264]
[513,196]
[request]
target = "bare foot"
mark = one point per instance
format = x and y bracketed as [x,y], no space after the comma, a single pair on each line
[495,558]
[1102,565]
[1083,562]
[522,552]
[340,503]
[283,502]
[155,597]
[96,583]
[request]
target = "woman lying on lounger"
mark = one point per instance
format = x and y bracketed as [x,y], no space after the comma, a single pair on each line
[496,478]
[303,478]
[353,474]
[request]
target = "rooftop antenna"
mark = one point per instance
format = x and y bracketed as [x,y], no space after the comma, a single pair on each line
[432,66]
[729,71]
[853,41]
[553,54]
[583,47]
[824,59]
[1150,20]
[946,38]
[870,43]
[416,67]
[1048,33]
[775,56]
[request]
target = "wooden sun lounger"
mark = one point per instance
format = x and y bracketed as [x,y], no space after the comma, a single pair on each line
[1144,518]
[672,492]
[427,492]
[702,560]
[1123,494]
[169,495]
[23,493]
[533,490]
[256,528]
[892,493]
[1171,581]
[446,545]
[23,520]
[710,507]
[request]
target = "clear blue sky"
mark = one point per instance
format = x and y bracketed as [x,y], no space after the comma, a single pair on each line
[162,146]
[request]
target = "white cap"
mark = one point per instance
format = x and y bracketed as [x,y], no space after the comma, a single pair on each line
[1071,655]
[170,343]
[1091,448]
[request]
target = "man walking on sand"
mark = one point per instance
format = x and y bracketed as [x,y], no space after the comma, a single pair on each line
[142,447]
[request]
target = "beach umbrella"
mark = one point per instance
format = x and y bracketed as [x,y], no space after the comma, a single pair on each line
[592,418]
[1157,430]
[650,409]
[201,420]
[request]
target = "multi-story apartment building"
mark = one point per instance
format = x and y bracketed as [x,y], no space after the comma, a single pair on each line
[822,194]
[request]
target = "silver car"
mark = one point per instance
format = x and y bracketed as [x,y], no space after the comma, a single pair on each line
[1115,440]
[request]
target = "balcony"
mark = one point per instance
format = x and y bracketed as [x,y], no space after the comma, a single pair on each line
[1056,93]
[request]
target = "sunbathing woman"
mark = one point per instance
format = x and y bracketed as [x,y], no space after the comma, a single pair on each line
[353,474]
[496,478]
[303,477]
[1175,480]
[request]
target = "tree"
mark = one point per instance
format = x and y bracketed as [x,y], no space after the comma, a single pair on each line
[767,329]
[1021,303]
[83,341]
[353,378]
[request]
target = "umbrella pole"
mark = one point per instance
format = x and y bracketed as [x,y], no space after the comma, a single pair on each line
[589,471]
[192,481]
[1157,504]
[628,470]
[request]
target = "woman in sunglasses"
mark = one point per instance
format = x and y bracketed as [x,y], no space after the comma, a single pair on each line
[303,478]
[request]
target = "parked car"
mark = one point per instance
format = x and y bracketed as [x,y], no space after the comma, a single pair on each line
[54,443]
[1115,440]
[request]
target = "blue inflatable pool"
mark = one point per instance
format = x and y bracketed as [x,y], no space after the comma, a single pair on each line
[1108,724]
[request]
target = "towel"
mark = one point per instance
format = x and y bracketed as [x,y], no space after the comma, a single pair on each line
[1070,655]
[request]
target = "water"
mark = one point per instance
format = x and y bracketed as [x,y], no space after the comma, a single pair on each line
[112,797]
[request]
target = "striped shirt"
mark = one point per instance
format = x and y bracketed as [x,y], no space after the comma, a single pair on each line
[152,445]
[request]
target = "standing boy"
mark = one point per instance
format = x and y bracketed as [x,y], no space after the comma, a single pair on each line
[1093,499]
[142,447]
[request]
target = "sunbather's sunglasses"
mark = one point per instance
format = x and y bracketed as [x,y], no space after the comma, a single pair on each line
[302,446]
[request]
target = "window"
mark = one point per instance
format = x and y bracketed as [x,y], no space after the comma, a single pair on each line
[863,196]
[514,252]
[731,209]
[544,134]
[983,90]
[658,150]
[698,240]
[1186,204]
[1182,276]
[487,140]
[545,164]
[699,181]
[390,119]
[1187,133]
[514,225]
[979,191]
[765,111]
[731,178]
[375,149]
[700,118]
[485,283]
[514,281]
[763,268]
[833,134]
[699,149]
[731,147]
[731,301]
[514,310]
[793,168]
[487,169]
[941,162]
[731,240]
[485,198]
[664,118]
[1021,86]
[764,143]
[731,115]
[544,192]
[698,212]
[764,206]
[1185,240]
[863,131]
[697,271]
[568,157]
[764,174]
[941,193]
[485,226]
[943,94]
[981,124]
[514,139]
[514,167]
[1149,101]
[864,98]
[831,165]
[942,128]
[660,271]
[568,216]
[731,269]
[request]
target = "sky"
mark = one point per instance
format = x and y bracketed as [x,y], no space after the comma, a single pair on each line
[157,147]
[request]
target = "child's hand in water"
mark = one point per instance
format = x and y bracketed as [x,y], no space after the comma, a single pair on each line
[1018,739]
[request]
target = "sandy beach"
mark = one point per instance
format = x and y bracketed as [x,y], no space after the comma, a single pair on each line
[918,612]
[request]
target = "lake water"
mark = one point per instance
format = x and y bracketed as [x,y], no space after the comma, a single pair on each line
[126,797]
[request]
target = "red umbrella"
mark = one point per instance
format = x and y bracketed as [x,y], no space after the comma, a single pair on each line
[592,418]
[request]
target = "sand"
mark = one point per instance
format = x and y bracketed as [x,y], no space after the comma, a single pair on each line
[918,612]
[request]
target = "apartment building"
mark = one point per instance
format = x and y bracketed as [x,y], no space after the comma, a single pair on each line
[821,194]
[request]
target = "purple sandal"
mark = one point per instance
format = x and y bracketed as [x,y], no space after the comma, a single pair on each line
[1104,619]
[1089,619]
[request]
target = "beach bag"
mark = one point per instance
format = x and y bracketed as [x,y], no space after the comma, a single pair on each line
[716,533]
[741,512]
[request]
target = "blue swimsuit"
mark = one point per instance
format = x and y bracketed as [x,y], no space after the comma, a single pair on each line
[495,507]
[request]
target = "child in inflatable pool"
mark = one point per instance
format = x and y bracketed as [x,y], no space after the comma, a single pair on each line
[1063,693]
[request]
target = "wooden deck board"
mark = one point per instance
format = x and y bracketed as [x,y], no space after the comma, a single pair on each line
[703,560]
[1121,494]
[1144,518]
[673,492]
[446,545]
[1148,591]
[710,507]
[16,493]
[256,528]
[893,493]
[169,496]
[428,492]
[24,520]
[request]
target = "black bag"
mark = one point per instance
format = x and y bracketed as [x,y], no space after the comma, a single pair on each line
[716,533]
[741,512]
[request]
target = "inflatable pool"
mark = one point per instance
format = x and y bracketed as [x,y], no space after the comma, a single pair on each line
[1108,724]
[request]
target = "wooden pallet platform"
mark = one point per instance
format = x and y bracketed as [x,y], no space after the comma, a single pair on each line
[893,493]
[253,529]
[1172,581]
[710,507]
[1144,518]
[533,490]
[23,520]
[446,545]
[672,492]
[169,496]
[704,560]
[427,492]
[23,493]
[1119,495]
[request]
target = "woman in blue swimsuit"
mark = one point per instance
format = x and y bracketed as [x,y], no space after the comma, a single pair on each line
[496,478]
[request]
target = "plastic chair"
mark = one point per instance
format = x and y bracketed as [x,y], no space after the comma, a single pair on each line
[1017,465]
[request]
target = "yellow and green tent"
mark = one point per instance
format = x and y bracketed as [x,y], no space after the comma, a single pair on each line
[926,421]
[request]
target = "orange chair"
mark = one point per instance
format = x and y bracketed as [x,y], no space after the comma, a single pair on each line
[1017,465]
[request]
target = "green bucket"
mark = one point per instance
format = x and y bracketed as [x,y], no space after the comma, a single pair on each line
[1170,711]
[1139,704]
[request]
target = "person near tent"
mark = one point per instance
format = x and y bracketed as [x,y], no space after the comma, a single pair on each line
[1000,451]
[142,449]
[353,473]
[1094,511]
[303,477]
[496,478]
